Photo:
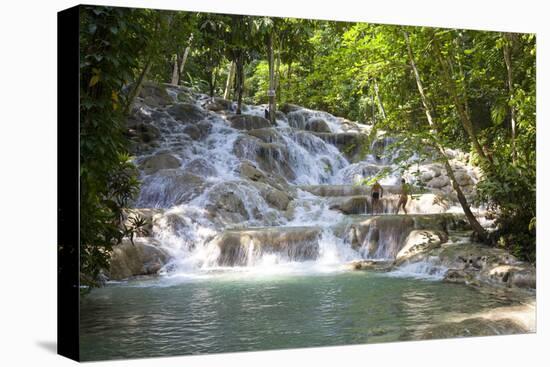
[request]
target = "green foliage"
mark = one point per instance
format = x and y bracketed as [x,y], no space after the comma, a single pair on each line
[109,40]
[354,70]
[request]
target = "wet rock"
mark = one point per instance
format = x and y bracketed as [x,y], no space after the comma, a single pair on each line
[269,157]
[249,171]
[144,257]
[426,176]
[148,132]
[274,197]
[200,167]
[225,204]
[296,119]
[169,187]
[420,241]
[157,162]
[337,190]
[142,135]
[376,265]
[277,199]
[459,276]
[523,278]
[317,125]
[478,264]
[248,122]
[187,112]
[347,143]
[138,116]
[193,131]
[218,104]
[439,182]
[185,97]
[339,139]
[354,205]
[288,107]
[245,247]
[267,135]
[205,127]
[280,116]
[463,178]
[155,95]
[382,236]
[474,256]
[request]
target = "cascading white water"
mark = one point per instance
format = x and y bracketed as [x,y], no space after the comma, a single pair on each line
[206,191]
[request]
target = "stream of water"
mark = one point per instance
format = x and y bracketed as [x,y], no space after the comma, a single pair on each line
[239,311]
[260,260]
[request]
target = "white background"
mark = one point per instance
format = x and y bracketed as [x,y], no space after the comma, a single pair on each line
[28,182]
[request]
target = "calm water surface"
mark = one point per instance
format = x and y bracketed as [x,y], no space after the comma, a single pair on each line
[241,312]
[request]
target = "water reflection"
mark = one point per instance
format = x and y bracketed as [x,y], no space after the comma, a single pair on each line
[213,315]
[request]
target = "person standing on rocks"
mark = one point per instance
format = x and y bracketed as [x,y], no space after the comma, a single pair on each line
[376,192]
[403,196]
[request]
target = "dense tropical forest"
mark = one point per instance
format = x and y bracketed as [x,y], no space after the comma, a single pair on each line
[434,88]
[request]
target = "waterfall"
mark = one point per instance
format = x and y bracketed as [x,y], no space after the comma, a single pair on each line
[268,197]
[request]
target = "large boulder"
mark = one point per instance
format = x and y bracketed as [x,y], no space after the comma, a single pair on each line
[143,257]
[288,107]
[155,95]
[266,135]
[420,241]
[354,205]
[439,182]
[276,198]
[478,264]
[185,97]
[226,205]
[245,247]
[193,131]
[187,112]
[160,161]
[347,143]
[205,127]
[272,158]
[138,116]
[251,172]
[169,187]
[296,119]
[200,167]
[248,122]
[318,125]
[463,178]
[523,277]
[218,104]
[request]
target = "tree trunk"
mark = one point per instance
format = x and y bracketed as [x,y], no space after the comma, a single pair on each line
[379,100]
[211,85]
[288,76]
[478,229]
[230,77]
[175,75]
[459,104]
[183,61]
[510,80]
[239,82]
[271,92]
[137,88]
[278,75]
[139,82]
